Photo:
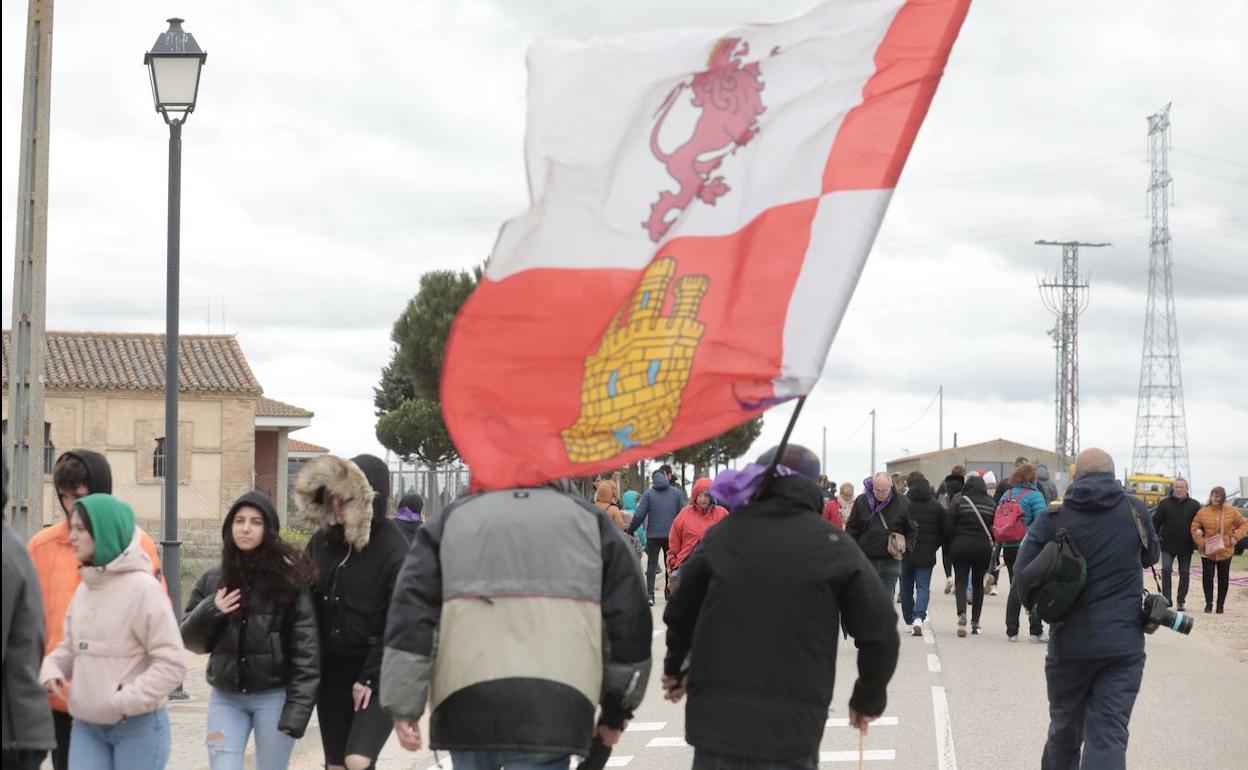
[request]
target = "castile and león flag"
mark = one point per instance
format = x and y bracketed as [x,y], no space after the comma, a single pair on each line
[702,205]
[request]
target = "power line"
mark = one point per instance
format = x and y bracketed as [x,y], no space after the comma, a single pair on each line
[926,409]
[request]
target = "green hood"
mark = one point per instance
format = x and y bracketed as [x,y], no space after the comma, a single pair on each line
[112,525]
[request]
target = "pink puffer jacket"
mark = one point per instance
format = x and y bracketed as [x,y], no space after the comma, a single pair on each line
[122,648]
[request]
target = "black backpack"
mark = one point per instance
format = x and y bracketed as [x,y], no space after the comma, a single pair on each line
[1053,581]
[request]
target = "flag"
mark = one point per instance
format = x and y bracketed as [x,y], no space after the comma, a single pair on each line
[702,204]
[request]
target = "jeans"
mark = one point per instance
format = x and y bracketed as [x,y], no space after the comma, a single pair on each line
[888,569]
[705,760]
[1185,574]
[1090,703]
[231,719]
[135,743]
[1223,569]
[916,584]
[653,546]
[508,760]
[1014,605]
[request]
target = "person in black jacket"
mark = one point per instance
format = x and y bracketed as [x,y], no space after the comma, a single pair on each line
[916,568]
[410,515]
[253,614]
[517,613]
[1173,522]
[760,669]
[969,525]
[27,723]
[879,512]
[358,552]
[951,486]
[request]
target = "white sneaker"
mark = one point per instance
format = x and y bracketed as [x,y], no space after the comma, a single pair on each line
[949,585]
[993,592]
[918,628]
[1013,638]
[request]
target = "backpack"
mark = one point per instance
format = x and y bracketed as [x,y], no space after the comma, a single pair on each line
[1051,584]
[1007,522]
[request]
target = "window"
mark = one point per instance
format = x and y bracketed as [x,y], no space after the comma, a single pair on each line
[49,450]
[158,458]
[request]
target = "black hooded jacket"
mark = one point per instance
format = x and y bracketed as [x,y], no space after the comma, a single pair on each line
[1173,522]
[262,649]
[968,540]
[99,474]
[415,504]
[929,519]
[761,641]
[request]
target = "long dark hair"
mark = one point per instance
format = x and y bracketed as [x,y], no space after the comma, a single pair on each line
[273,572]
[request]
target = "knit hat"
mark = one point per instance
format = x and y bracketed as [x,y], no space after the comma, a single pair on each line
[796,457]
[112,526]
[990,479]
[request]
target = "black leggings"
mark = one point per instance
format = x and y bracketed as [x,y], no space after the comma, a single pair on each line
[976,570]
[62,723]
[1223,568]
[653,545]
[345,731]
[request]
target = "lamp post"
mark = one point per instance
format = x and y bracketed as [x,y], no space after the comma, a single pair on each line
[174,64]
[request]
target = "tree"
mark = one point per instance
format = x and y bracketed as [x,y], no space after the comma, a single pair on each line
[409,409]
[719,450]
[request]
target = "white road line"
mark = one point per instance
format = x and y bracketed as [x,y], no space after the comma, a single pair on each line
[881,722]
[933,663]
[928,636]
[871,755]
[666,743]
[619,761]
[656,634]
[645,727]
[945,758]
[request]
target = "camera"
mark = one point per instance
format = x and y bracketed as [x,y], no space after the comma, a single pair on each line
[1156,613]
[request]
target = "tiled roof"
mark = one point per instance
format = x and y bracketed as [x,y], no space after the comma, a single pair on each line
[136,362]
[271,407]
[295,445]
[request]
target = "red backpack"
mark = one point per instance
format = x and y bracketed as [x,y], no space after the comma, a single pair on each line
[1007,522]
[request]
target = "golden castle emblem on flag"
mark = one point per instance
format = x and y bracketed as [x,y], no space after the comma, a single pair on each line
[633,383]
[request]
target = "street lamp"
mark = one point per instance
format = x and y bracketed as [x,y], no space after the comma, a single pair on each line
[174,64]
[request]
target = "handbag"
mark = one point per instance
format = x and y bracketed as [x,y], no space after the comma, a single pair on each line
[1215,543]
[896,540]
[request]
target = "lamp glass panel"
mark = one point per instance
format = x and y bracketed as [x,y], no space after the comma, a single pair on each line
[176,78]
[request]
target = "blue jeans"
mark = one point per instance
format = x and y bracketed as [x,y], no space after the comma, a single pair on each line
[916,584]
[135,743]
[888,569]
[705,760]
[231,719]
[1090,703]
[508,760]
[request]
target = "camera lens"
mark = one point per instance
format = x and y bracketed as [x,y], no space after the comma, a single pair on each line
[1181,622]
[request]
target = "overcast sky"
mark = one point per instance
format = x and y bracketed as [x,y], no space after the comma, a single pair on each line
[341,149]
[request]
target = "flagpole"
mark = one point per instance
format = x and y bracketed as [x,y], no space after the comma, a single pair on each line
[784,442]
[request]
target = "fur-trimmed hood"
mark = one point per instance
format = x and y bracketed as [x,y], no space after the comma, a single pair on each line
[325,479]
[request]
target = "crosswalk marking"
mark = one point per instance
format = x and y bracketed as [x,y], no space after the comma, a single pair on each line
[872,755]
[666,743]
[646,727]
[881,722]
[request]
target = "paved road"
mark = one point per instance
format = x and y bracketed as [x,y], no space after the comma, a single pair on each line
[977,702]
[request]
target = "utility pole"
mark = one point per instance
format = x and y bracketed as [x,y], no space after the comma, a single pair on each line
[28,345]
[872,442]
[940,442]
[823,461]
[1160,420]
[1066,296]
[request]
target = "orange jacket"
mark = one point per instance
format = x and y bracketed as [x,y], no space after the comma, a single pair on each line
[691,526]
[57,568]
[1234,528]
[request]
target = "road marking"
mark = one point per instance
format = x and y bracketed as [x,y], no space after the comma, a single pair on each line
[657,634]
[615,761]
[881,722]
[928,636]
[933,663]
[872,755]
[945,758]
[666,743]
[645,727]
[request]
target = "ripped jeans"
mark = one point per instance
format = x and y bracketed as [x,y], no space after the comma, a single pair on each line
[231,719]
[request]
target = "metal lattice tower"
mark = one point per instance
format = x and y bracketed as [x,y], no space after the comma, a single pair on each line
[1160,421]
[1066,296]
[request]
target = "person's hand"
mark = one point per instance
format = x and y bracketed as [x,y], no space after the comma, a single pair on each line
[57,687]
[674,688]
[860,721]
[361,696]
[409,734]
[609,735]
[227,601]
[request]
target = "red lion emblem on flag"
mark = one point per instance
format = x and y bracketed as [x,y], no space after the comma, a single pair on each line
[728,93]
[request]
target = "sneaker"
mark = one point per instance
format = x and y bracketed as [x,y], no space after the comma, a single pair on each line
[651,601]
[1179,608]
[949,585]
[1012,638]
[975,629]
[993,592]
[990,582]
[1208,608]
[1038,638]
[962,625]
[917,630]
[1218,611]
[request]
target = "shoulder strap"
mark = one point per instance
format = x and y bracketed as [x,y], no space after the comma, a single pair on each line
[880,515]
[978,516]
[1139,525]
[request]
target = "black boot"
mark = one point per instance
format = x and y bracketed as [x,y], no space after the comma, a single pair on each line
[1208,607]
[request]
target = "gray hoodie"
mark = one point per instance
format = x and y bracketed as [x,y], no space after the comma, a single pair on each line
[658,508]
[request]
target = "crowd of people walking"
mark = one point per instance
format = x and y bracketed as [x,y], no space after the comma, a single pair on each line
[385,614]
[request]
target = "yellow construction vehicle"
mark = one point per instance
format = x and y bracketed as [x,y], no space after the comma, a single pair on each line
[1149,487]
